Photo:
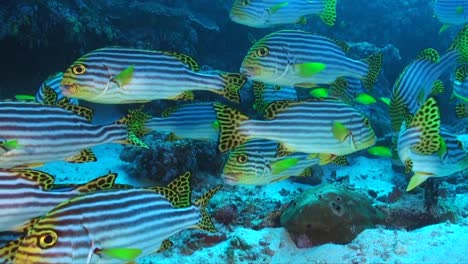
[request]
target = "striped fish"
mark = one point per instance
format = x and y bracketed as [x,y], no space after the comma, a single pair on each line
[460,84]
[451,12]
[33,134]
[269,13]
[53,82]
[427,149]
[416,82]
[346,89]
[120,75]
[114,225]
[27,194]
[195,121]
[322,126]
[255,163]
[265,94]
[293,57]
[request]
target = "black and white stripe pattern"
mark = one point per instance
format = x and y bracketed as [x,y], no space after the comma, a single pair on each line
[259,155]
[156,75]
[53,82]
[256,13]
[451,12]
[46,133]
[133,218]
[307,127]
[195,121]
[289,48]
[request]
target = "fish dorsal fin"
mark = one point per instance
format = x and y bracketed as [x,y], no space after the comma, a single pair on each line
[375,67]
[328,15]
[168,111]
[342,44]
[8,251]
[259,88]
[460,44]
[276,107]
[307,172]
[82,111]
[437,87]
[185,96]
[282,151]
[461,73]
[341,160]
[178,192]
[50,96]
[101,183]
[84,156]
[44,180]
[165,245]
[185,59]
[427,120]
[429,54]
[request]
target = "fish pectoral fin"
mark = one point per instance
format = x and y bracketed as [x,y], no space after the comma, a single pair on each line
[340,132]
[124,77]
[165,245]
[86,155]
[8,145]
[416,180]
[309,69]
[275,8]
[125,254]
[443,28]
[279,166]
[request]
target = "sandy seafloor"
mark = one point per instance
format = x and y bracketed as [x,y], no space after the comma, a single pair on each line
[440,243]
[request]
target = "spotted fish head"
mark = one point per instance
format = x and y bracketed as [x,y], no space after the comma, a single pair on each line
[90,77]
[267,60]
[250,13]
[44,244]
[245,166]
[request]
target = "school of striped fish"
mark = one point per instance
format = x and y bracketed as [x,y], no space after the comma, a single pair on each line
[290,132]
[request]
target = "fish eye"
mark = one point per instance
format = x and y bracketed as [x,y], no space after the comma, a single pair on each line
[242,158]
[262,52]
[245,2]
[78,69]
[47,239]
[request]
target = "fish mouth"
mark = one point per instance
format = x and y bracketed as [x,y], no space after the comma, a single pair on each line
[249,71]
[68,89]
[231,179]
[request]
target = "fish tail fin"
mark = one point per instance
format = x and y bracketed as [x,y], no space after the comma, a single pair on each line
[205,222]
[135,121]
[233,83]
[416,180]
[427,120]
[460,44]
[230,120]
[461,110]
[374,63]
[437,87]
[328,14]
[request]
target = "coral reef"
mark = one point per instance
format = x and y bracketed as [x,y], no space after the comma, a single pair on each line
[329,213]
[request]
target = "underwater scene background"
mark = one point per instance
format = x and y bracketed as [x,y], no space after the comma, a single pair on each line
[241,131]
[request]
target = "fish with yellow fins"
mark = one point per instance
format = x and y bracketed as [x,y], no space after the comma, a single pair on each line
[270,13]
[256,163]
[112,226]
[298,58]
[120,76]
[427,149]
[460,91]
[450,12]
[33,134]
[328,126]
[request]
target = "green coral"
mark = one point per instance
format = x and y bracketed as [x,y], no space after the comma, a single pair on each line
[329,213]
